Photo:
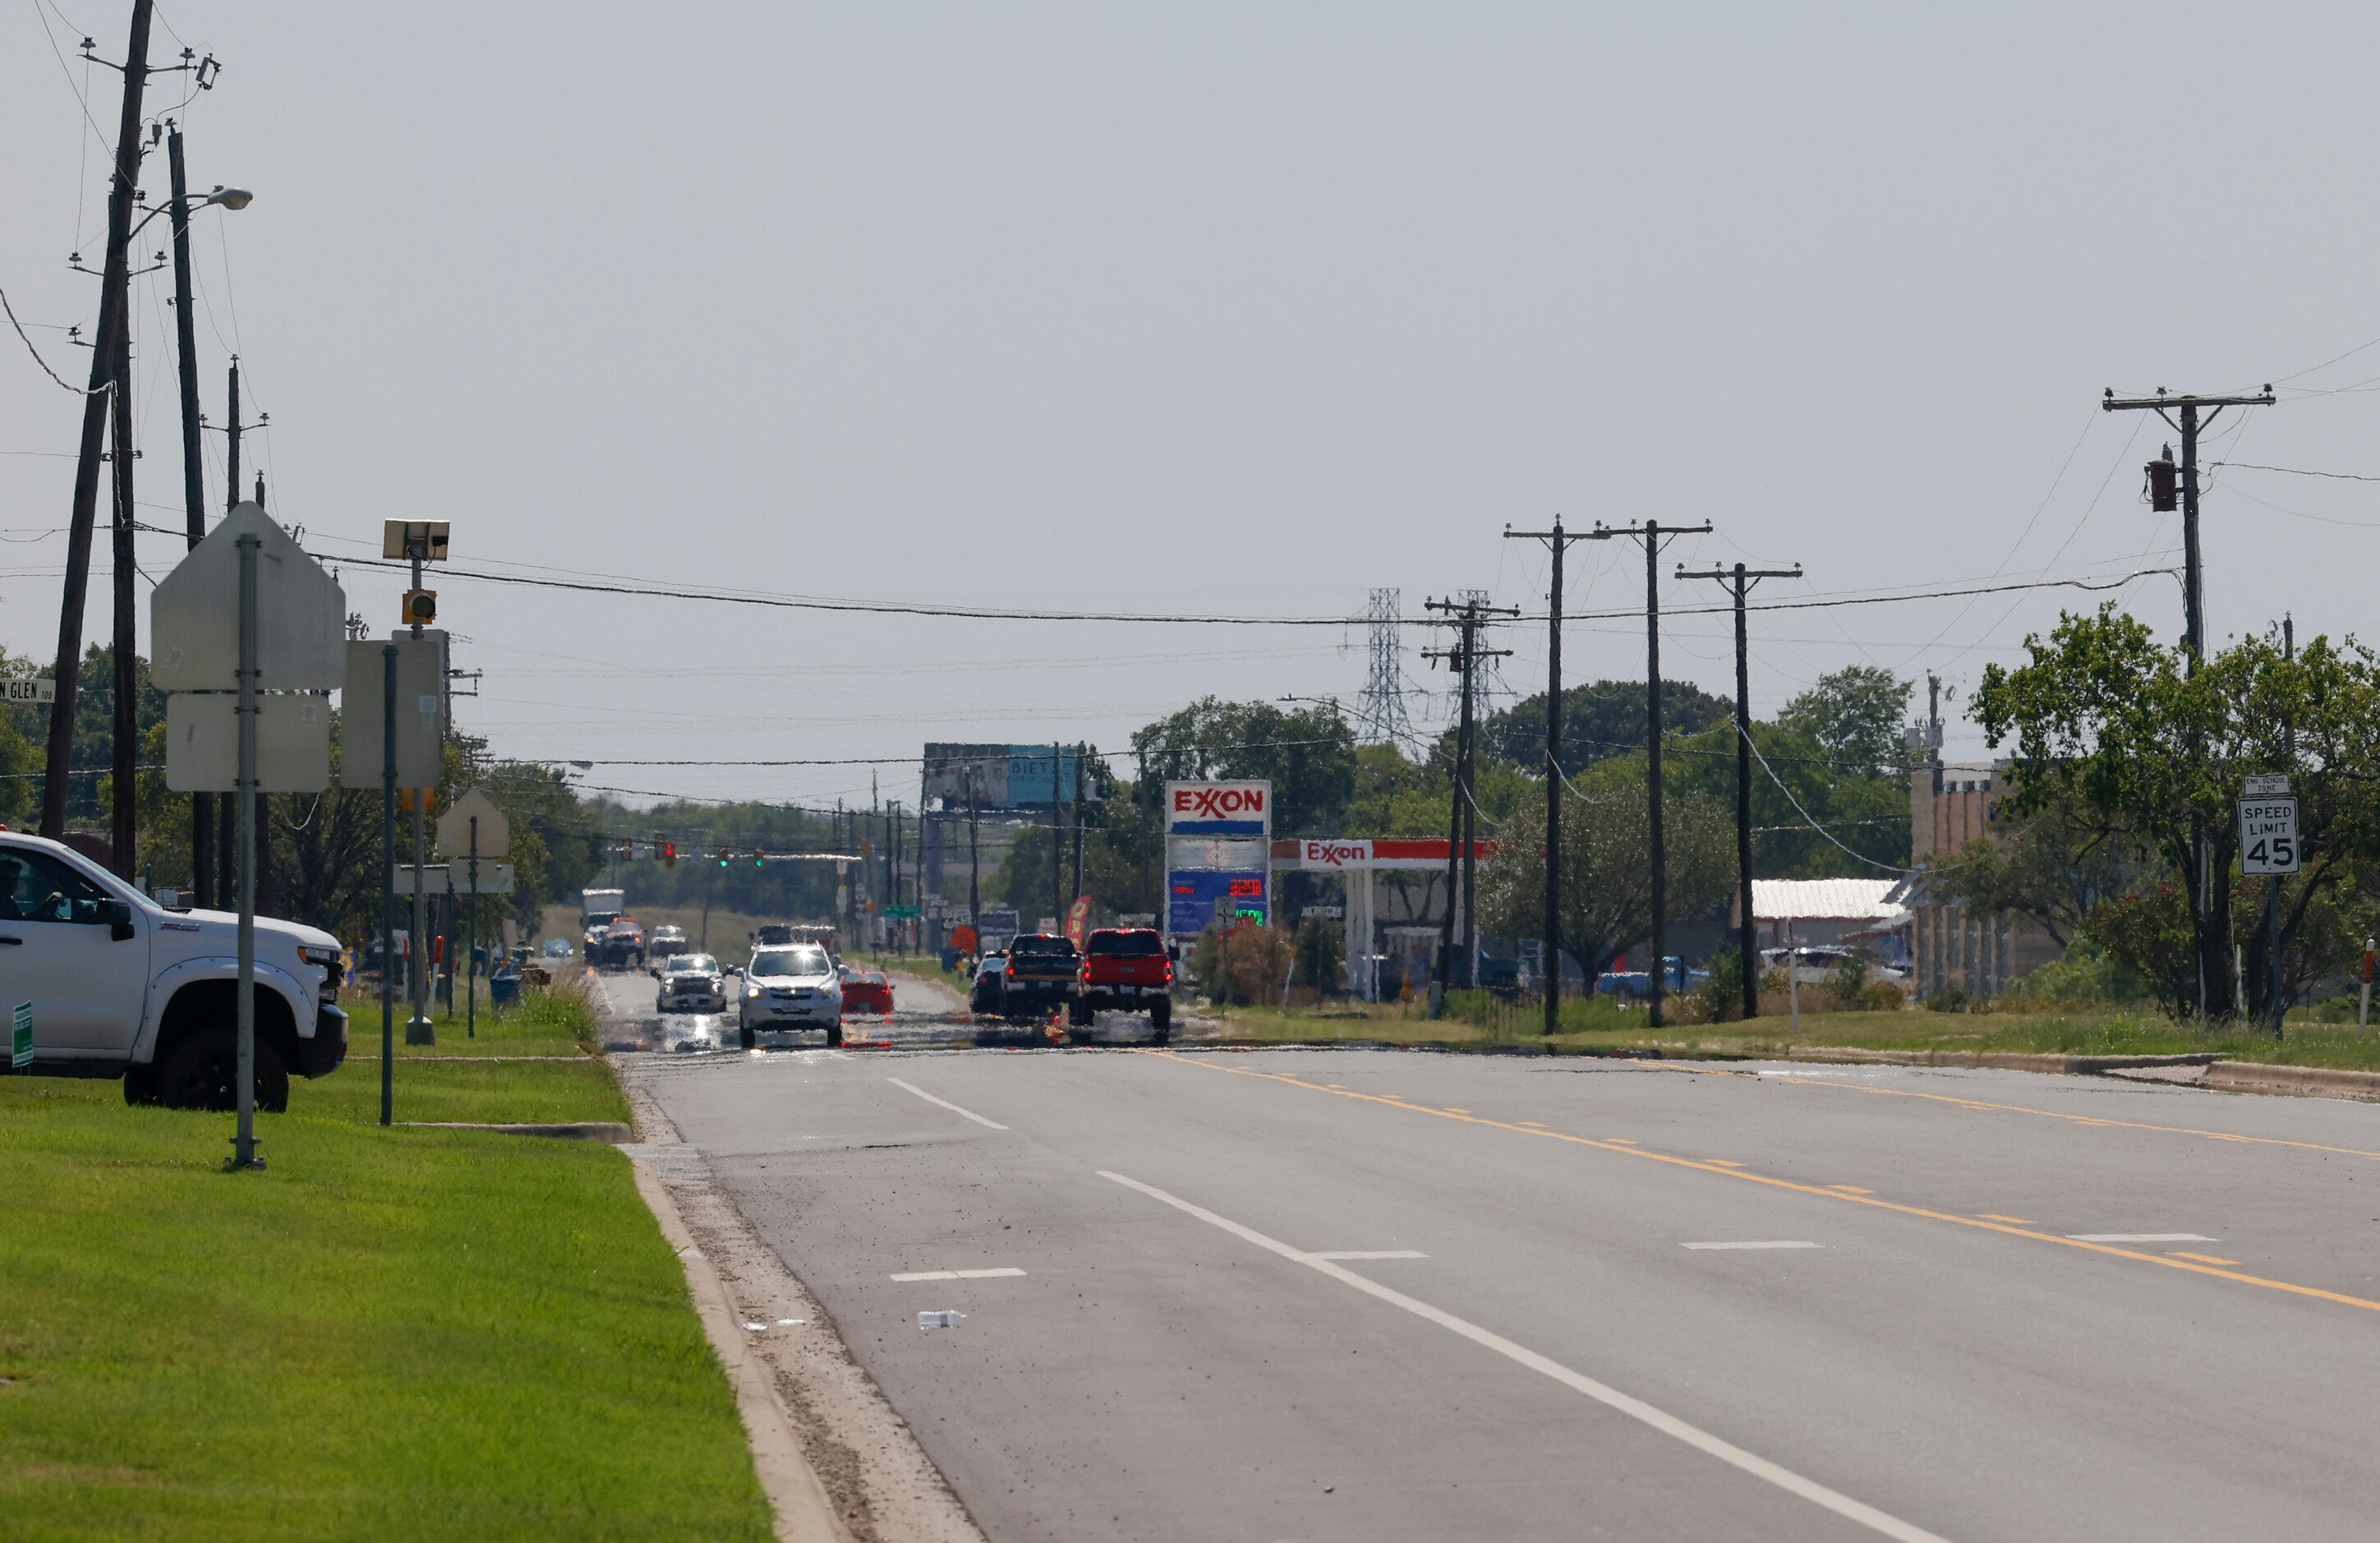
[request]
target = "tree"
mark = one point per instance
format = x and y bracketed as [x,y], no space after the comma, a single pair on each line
[1795,774]
[2048,868]
[1307,753]
[1855,714]
[1606,894]
[2113,731]
[1600,719]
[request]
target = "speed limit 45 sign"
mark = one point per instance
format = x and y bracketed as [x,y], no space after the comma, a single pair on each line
[2268,836]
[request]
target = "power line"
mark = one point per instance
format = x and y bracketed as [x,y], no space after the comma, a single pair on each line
[965,613]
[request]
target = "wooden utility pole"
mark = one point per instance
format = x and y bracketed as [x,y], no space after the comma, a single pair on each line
[1057,838]
[1079,749]
[1652,534]
[1462,870]
[1557,541]
[1740,581]
[2209,918]
[123,737]
[108,386]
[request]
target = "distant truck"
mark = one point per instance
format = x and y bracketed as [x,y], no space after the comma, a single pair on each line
[1127,969]
[600,907]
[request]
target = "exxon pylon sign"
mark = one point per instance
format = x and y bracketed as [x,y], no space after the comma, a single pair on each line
[1219,808]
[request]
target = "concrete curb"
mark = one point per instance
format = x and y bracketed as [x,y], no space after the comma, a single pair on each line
[2002,1060]
[2305,1082]
[795,1496]
[613,1131]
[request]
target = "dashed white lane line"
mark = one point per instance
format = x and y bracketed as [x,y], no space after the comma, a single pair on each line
[1636,1409]
[991,1125]
[1369,1253]
[958,1274]
[2142,1237]
[1758,1243]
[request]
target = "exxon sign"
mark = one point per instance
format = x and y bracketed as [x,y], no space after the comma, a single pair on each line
[1219,808]
[1334,854]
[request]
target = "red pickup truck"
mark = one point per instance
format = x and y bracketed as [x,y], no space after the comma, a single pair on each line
[1126,969]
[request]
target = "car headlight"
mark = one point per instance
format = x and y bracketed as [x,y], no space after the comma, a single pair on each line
[751,993]
[327,957]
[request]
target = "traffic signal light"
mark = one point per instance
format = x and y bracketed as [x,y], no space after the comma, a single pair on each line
[2162,494]
[421,607]
[759,858]
[668,853]
[723,857]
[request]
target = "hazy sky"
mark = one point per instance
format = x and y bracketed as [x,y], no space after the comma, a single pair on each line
[1235,309]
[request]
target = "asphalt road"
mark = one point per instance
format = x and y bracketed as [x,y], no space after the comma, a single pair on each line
[1601,1299]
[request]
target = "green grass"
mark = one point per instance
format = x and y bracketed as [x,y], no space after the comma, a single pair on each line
[557,1022]
[388,1334]
[1598,1025]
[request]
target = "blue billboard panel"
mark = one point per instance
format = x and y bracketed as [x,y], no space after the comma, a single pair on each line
[1192,897]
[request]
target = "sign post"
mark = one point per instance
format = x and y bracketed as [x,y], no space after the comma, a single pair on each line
[485,833]
[2268,846]
[284,633]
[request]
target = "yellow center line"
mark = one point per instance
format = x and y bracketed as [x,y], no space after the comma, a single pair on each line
[1794,1186]
[1995,1216]
[1988,1105]
[2203,1258]
[1850,1190]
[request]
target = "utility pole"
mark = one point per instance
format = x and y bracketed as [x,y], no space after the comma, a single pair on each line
[1652,533]
[1462,870]
[108,388]
[2206,917]
[1079,749]
[975,866]
[194,494]
[125,737]
[1740,581]
[1057,839]
[2273,884]
[1558,542]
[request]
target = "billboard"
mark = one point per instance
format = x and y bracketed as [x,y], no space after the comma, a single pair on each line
[1008,776]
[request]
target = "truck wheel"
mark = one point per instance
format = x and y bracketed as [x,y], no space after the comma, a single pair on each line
[1161,1018]
[1078,1014]
[744,1036]
[203,1072]
[835,1035]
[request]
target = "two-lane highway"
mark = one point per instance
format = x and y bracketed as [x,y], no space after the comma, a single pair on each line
[1228,1295]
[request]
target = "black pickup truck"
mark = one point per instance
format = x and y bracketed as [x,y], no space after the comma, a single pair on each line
[1043,976]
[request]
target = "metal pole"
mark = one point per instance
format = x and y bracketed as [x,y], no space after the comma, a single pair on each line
[1057,842]
[1445,974]
[244,1143]
[125,737]
[388,882]
[1793,977]
[471,942]
[2273,884]
[1470,840]
[194,494]
[2363,1004]
[1079,749]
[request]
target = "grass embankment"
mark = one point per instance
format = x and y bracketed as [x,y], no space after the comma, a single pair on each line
[388,1333]
[559,1022]
[1597,1026]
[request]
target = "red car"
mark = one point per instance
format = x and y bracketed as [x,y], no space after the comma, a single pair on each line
[865,993]
[1127,969]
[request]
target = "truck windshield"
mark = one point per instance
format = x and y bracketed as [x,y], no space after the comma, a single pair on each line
[692,964]
[1125,945]
[1048,947]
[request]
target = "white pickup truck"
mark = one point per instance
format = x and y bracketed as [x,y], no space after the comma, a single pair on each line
[122,986]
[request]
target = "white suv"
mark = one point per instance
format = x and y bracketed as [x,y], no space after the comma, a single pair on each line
[120,986]
[792,986]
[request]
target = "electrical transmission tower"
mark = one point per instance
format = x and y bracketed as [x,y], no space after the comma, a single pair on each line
[1381,716]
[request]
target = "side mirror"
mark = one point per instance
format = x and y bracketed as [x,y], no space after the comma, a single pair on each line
[117,914]
[1174,952]
[736,970]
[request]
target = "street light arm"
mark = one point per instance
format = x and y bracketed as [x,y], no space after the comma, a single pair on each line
[234,198]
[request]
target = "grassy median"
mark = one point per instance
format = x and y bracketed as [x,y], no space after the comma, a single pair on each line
[1599,1026]
[389,1333]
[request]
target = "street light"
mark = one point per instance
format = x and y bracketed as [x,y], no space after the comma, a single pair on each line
[230,197]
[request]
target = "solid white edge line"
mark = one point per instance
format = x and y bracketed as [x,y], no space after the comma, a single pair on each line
[1636,1409]
[928,1275]
[946,1104]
